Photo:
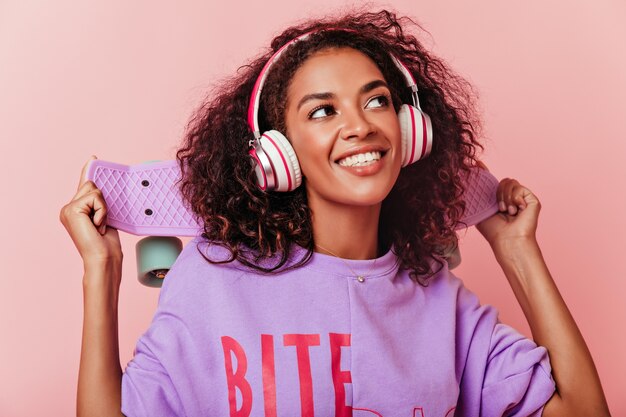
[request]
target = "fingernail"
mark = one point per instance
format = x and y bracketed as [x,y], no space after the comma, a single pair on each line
[512,210]
[502,206]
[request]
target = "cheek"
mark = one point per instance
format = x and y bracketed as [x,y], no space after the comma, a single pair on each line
[312,145]
[312,159]
[394,124]
[394,135]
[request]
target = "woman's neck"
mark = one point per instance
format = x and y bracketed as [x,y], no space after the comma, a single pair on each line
[348,232]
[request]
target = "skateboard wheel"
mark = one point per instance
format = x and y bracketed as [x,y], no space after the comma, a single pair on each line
[155,257]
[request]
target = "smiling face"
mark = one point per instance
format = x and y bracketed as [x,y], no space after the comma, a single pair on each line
[343,127]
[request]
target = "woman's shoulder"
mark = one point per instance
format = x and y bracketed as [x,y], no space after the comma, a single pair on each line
[203,257]
[446,287]
[197,252]
[199,258]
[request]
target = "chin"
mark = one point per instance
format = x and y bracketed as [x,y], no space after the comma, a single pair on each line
[366,197]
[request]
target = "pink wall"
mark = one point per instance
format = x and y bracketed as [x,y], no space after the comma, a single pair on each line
[118,79]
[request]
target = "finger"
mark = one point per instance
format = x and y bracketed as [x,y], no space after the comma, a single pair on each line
[518,196]
[530,198]
[504,193]
[500,196]
[100,212]
[100,220]
[83,173]
[91,205]
[86,188]
[99,215]
[98,208]
[508,190]
[507,197]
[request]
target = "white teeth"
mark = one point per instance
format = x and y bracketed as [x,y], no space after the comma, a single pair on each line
[362,159]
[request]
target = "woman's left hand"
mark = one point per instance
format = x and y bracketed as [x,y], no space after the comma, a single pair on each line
[517,217]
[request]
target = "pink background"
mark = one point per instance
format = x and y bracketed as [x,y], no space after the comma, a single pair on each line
[119,79]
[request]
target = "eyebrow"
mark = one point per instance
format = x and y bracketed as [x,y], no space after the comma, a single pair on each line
[325,96]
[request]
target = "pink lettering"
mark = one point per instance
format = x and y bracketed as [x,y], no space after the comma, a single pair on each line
[269,374]
[237,379]
[302,343]
[450,412]
[340,377]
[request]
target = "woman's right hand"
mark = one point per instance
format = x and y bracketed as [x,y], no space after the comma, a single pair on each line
[84,218]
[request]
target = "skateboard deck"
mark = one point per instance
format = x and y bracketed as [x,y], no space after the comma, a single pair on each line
[145,200]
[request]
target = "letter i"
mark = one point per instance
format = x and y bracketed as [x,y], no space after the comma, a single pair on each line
[269,374]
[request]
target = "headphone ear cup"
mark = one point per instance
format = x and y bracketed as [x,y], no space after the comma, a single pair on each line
[283,161]
[417,134]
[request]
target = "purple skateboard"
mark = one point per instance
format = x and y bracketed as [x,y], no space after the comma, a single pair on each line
[145,200]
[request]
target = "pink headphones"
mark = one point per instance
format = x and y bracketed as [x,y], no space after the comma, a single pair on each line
[275,162]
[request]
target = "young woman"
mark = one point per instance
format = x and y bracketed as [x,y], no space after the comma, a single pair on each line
[320,284]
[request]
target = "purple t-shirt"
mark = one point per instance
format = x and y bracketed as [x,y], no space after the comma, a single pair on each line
[317,341]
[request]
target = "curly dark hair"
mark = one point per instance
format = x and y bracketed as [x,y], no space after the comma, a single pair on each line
[418,217]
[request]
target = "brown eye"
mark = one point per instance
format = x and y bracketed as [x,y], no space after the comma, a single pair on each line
[321,111]
[378,101]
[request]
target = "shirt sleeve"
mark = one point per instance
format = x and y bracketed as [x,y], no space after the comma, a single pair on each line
[155,380]
[504,373]
[147,389]
[518,380]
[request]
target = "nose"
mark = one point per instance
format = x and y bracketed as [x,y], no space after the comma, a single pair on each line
[356,125]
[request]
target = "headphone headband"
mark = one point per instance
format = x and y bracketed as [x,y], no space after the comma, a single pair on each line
[255,98]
